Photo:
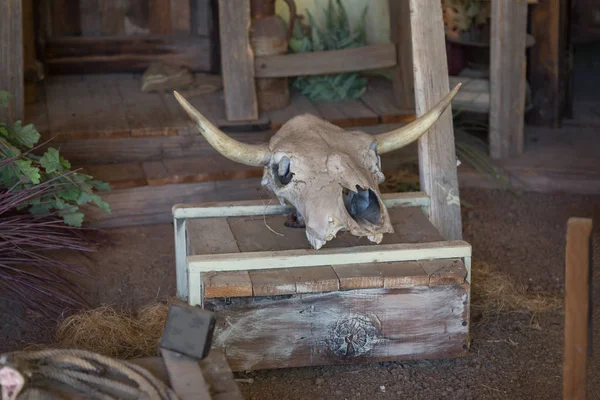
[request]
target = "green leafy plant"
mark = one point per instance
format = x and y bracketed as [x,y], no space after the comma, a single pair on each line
[337,35]
[29,170]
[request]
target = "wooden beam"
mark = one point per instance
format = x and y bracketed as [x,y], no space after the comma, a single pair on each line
[181,20]
[159,17]
[548,62]
[403,77]
[29,53]
[326,62]
[11,59]
[577,308]
[237,61]
[507,78]
[437,158]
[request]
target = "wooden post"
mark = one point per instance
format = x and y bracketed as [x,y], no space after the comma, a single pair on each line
[577,308]
[548,76]
[507,77]
[29,53]
[237,61]
[11,59]
[437,157]
[403,79]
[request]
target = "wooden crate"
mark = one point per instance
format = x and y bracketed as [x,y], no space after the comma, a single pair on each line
[280,303]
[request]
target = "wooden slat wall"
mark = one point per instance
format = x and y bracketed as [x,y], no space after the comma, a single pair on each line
[11,59]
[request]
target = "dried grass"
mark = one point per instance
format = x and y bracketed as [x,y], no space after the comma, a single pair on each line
[126,335]
[493,292]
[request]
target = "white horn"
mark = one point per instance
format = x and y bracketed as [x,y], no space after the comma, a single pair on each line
[401,137]
[248,154]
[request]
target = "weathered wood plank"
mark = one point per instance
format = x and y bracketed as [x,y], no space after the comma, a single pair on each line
[343,327]
[272,282]
[548,62]
[379,97]
[112,14]
[359,276]
[159,17]
[346,113]
[119,176]
[128,54]
[237,61]
[228,284]
[507,78]
[11,59]
[185,376]
[210,236]
[29,54]
[445,272]
[437,158]
[326,62]
[403,78]
[315,279]
[65,17]
[91,17]
[398,275]
[181,16]
[578,265]
[202,17]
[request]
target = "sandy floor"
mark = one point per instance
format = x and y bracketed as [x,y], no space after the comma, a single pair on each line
[509,358]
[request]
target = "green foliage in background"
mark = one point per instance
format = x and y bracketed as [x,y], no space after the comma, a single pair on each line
[337,35]
[29,170]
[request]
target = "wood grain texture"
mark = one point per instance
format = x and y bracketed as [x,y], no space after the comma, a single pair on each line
[128,54]
[185,376]
[548,62]
[119,176]
[437,158]
[65,17]
[210,236]
[229,284]
[29,53]
[577,308]
[346,327]
[326,62]
[159,17]
[11,59]
[272,282]
[403,77]
[507,78]
[379,97]
[237,61]
[181,16]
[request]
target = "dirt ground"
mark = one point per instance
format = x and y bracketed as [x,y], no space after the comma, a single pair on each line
[512,356]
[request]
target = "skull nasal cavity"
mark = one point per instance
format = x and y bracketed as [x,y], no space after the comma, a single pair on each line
[282,171]
[362,205]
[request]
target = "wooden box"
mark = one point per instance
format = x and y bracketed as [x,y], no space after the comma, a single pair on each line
[280,303]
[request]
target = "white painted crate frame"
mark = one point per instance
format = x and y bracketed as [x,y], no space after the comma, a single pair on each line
[189,268]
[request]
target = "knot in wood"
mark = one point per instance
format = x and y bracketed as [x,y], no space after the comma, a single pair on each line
[352,337]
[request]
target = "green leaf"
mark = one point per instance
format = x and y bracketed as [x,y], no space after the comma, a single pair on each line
[32,173]
[73,219]
[101,186]
[41,208]
[51,161]
[69,195]
[4,98]
[27,135]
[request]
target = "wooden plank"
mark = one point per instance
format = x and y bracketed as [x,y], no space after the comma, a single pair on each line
[128,54]
[347,113]
[146,112]
[315,279]
[507,78]
[272,282]
[225,284]
[260,207]
[65,17]
[210,236]
[445,272]
[299,104]
[186,170]
[119,176]
[328,256]
[578,266]
[326,62]
[112,14]
[548,62]
[379,97]
[185,376]
[159,17]
[37,114]
[29,54]
[437,158]
[91,18]
[343,327]
[403,78]
[11,54]
[359,276]
[398,275]
[202,18]
[237,61]
[181,16]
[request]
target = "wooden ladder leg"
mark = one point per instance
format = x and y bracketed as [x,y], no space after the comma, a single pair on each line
[402,79]
[237,61]
[437,154]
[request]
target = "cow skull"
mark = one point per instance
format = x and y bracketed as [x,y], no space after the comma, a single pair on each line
[330,176]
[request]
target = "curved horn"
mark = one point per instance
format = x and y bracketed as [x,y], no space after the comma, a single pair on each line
[248,154]
[401,137]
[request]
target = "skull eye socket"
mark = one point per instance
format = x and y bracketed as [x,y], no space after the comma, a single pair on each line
[282,171]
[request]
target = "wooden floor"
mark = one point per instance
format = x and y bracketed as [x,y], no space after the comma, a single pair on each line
[73,107]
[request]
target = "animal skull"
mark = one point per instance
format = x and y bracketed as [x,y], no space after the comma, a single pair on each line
[330,176]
